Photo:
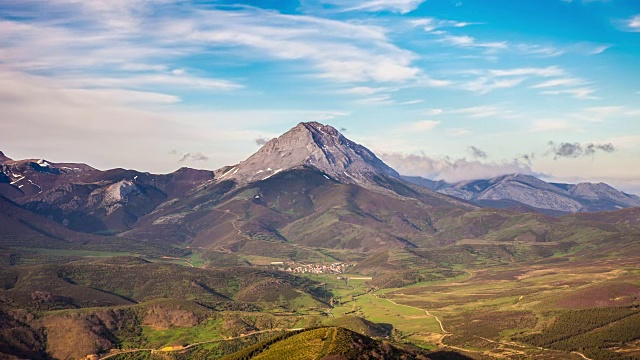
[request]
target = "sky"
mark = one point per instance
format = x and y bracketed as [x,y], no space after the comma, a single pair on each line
[445,89]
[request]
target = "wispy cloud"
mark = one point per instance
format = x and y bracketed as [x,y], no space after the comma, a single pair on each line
[335,50]
[424,125]
[173,79]
[433,112]
[539,50]
[559,82]
[582,93]
[605,113]
[380,99]
[625,142]
[452,170]
[599,49]
[367,90]
[549,51]
[469,41]
[458,131]
[430,24]
[483,85]
[411,102]
[493,79]
[397,6]
[530,71]
[633,24]
[483,111]
[549,125]
[323,115]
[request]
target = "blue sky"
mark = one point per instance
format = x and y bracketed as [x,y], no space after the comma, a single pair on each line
[450,89]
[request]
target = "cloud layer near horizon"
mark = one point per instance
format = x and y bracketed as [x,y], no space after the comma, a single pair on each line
[452,170]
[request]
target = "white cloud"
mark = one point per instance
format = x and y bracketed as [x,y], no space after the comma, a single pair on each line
[493,79]
[463,170]
[179,79]
[19,87]
[539,50]
[482,111]
[582,93]
[379,99]
[323,115]
[411,102]
[549,71]
[424,125]
[398,6]
[625,142]
[430,24]
[633,24]
[430,82]
[547,51]
[365,90]
[549,125]
[599,49]
[559,82]
[450,170]
[605,113]
[483,85]
[459,131]
[433,112]
[468,41]
[335,50]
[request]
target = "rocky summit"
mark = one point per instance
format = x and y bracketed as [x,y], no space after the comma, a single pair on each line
[314,145]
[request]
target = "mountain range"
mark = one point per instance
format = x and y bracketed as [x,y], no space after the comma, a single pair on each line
[533,193]
[309,189]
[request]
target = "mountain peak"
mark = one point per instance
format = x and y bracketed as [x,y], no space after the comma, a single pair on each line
[3,157]
[325,130]
[314,145]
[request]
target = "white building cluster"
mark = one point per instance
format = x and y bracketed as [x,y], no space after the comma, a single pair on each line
[335,268]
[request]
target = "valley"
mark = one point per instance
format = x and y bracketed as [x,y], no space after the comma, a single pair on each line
[482,313]
[332,255]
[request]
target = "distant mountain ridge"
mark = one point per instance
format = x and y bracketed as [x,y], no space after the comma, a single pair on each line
[90,200]
[532,192]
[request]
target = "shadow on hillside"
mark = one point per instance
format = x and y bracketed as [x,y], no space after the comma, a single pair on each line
[447,355]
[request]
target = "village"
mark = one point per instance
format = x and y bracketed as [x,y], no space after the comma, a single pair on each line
[334,268]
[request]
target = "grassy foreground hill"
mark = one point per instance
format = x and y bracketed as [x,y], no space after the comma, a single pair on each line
[324,343]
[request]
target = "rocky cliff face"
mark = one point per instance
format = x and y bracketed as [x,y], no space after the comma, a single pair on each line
[315,145]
